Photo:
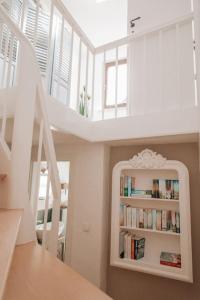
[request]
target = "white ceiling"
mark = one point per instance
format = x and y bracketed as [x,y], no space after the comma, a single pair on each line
[102,21]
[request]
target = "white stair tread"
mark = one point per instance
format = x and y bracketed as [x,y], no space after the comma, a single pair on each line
[37,275]
[9,226]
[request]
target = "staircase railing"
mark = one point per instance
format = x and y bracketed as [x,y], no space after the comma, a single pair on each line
[19,56]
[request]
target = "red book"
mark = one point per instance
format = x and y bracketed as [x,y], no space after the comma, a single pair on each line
[132,248]
[170,264]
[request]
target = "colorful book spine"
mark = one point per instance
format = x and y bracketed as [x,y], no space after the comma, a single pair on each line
[132,184]
[141,218]
[177,222]
[155,192]
[176,189]
[168,189]
[121,185]
[126,186]
[139,248]
[129,185]
[132,247]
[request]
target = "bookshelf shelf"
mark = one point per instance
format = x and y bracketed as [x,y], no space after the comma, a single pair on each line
[142,171]
[150,231]
[149,199]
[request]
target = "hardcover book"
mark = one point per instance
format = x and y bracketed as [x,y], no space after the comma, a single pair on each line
[170,259]
[155,192]
[126,186]
[139,247]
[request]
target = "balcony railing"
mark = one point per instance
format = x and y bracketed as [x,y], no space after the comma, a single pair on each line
[148,72]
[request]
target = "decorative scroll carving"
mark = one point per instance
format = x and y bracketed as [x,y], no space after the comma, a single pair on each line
[147,159]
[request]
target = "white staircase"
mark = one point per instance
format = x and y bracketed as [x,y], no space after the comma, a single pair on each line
[34,272]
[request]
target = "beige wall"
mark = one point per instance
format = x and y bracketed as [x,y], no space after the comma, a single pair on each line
[129,285]
[87,229]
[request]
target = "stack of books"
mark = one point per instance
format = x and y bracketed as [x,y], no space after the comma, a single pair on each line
[165,189]
[131,246]
[148,218]
[170,259]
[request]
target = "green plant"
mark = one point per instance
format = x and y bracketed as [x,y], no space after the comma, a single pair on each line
[83,104]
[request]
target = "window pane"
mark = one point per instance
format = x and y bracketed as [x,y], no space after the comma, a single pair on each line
[111,86]
[122,83]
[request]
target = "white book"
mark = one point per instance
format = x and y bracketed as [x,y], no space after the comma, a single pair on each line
[125,216]
[173,216]
[133,216]
[145,218]
[149,225]
[129,217]
[141,218]
[154,219]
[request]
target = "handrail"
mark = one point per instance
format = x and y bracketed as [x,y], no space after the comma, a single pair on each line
[48,143]
[130,38]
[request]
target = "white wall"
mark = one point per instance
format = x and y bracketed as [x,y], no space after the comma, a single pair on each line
[102,22]
[88,207]
[156,12]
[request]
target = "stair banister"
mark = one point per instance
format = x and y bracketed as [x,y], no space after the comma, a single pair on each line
[27,49]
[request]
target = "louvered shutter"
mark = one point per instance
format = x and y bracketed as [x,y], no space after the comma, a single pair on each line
[41,39]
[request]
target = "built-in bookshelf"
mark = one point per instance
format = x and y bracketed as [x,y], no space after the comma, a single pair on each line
[151,226]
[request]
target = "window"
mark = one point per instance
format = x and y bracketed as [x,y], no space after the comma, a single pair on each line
[110,84]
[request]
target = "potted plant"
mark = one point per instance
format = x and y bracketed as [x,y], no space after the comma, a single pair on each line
[83,105]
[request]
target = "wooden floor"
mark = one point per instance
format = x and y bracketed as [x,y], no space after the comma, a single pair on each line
[9,226]
[35,274]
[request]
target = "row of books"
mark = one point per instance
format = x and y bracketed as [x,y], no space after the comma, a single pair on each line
[149,218]
[170,259]
[162,188]
[165,188]
[131,246]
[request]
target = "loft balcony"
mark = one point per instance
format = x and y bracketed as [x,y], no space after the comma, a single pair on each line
[135,84]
